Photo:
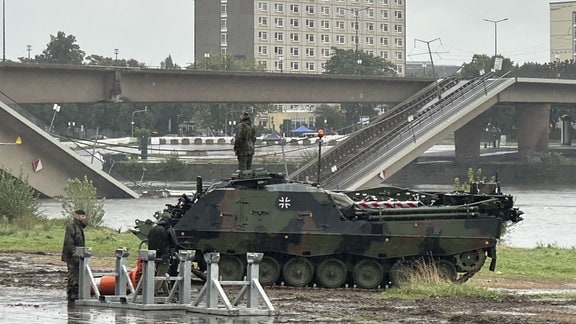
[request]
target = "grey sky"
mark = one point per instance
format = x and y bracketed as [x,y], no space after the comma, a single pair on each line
[150,30]
[460,25]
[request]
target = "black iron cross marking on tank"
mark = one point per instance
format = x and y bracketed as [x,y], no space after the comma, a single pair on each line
[284,202]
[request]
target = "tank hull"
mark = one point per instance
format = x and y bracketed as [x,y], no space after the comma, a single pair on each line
[367,239]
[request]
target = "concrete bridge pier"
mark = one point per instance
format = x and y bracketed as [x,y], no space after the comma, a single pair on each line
[467,142]
[532,124]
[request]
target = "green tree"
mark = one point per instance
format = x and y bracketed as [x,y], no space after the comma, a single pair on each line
[483,62]
[81,194]
[17,197]
[61,49]
[358,62]
[225,63]
[168,63]
[331,118]
[109,61]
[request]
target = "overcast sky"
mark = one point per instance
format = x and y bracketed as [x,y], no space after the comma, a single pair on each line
[150,30]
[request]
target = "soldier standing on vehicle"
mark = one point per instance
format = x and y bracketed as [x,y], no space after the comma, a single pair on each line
[73,238]
[244,142]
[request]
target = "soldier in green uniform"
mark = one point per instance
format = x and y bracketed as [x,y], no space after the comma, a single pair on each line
[244,142]
[73,238]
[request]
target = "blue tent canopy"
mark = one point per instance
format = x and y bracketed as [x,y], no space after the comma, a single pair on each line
[303,129]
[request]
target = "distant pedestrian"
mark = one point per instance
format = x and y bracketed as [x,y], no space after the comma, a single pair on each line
[73,238]
[244,142]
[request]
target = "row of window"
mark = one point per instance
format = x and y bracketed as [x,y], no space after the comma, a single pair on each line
[310,8]
[278,65]
[352,13]
[324,52]
[326,39]
[324,24]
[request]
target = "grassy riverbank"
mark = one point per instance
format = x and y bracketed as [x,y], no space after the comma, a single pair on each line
[47,235]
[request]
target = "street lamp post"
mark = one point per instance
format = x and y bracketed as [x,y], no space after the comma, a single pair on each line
[132,121]
[206,57]
[495,22]
[281,58]
[356,40]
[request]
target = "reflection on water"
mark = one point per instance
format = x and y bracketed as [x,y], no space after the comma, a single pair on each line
[30,305]
[549,215]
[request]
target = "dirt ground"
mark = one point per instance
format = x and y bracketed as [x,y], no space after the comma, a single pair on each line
[296,305]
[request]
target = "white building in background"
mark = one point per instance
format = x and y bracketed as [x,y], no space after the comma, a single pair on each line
[296,36]
[562,31]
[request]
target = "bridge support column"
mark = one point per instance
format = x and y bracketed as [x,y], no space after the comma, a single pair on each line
[467,142]
[532,124]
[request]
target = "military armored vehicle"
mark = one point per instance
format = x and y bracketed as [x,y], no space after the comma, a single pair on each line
[366,238]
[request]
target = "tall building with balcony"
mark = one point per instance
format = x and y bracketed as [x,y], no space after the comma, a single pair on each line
[562,31]
[297,36]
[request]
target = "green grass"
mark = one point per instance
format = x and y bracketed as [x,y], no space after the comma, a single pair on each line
[48,235]
[543,263]
[540,263]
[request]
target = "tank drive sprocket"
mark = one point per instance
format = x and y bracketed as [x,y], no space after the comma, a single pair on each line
[470,260]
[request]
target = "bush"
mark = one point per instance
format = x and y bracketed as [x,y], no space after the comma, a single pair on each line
[81,194]
[17,198]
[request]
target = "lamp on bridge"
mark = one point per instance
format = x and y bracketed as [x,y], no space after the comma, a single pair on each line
[56,109]
[132,121]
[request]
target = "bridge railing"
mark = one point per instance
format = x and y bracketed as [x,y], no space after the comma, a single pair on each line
[368,160]
[356,142]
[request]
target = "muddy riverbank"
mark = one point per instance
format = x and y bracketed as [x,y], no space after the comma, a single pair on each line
[32,290]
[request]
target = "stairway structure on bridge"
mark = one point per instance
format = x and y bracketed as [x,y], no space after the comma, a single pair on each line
[396,138]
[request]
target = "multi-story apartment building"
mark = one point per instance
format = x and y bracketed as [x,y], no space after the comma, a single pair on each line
[562,31]
[297,35]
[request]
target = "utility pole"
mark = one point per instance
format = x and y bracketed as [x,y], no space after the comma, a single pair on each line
[495,22]
[432,62]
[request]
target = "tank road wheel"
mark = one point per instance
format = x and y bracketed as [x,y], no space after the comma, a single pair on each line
[368,274]
[269,271]
[400,273]
[298,272]
[446,270]
[231,268]
[331,273]
[470,261]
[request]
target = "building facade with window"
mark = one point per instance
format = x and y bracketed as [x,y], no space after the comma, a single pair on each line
[562,31]
[296,36]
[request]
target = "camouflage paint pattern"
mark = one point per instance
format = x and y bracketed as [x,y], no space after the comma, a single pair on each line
[285,220]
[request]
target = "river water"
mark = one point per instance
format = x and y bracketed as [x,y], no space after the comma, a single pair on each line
[549,215]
